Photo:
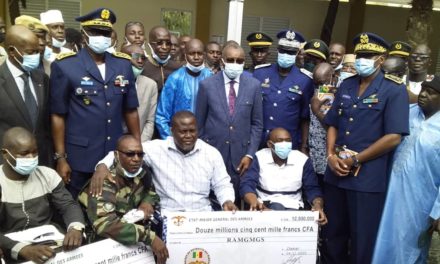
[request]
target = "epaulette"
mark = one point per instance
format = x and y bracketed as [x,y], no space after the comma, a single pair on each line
[262,66]
[306,72]
[393,78]
[121,55]
[65,55]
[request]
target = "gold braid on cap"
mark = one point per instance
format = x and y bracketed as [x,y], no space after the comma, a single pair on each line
[369,47]
[96,22]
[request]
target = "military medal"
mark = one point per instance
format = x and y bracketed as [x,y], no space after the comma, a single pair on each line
[295,89]
[266,83]
[87,100]
[372,99]
[79,91]
[86,81]
[120,81]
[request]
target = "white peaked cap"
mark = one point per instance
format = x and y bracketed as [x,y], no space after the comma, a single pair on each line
[51,16]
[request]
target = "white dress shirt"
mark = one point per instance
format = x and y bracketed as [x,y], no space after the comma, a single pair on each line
[227,85]
[183,181]
[16,73]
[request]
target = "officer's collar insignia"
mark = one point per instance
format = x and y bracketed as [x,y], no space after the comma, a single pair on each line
[306,72]
[393,78]
[120,81]
[65,55]
[266,83]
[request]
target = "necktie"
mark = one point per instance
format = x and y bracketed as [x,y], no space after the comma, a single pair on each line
[231,97]
[29,100]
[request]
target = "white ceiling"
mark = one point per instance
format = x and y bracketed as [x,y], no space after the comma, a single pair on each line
[397,3]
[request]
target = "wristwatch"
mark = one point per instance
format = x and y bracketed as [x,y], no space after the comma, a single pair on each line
[77,227]
[58,156]
[356,162]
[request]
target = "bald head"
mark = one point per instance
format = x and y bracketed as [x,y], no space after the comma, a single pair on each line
[322,73]
[16,137]
[19,35]
[277,133]
[158,32]
[194,44]
[126,140]
[133,48]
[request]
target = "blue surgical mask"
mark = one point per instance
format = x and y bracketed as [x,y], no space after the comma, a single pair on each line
[132,175]
[48,53]
[282,149]
[136,71]
[99,44]
[157,58]
[23,166]
[286,60]
[58,44]
[30,62]
[365,67]
[193,68]
[233,70]
[345,75]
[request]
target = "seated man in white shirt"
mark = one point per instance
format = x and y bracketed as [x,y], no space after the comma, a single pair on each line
[185,169]
[278,175]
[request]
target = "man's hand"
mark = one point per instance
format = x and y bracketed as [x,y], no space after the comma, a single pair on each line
[98,178]
[338,165]
[318,206]
[160,250]
[147,209]
[63,169]
[244,165]
[72,239]
[37,253]
[316,103]
[229,206]
[254,204]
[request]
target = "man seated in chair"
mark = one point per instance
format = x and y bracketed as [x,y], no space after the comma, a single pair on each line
[278,175]
[130,187]
[29,196]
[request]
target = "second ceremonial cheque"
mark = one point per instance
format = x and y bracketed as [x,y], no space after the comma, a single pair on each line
[244,237]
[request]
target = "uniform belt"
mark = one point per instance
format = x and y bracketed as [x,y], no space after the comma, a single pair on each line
[272,193]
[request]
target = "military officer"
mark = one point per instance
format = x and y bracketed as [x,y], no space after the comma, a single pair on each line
[315,52]
[368,118]
[92,93]
[286,92]
[259,43]
[400,49]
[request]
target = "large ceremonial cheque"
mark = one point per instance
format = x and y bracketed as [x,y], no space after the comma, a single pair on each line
[105,251]
[283,237]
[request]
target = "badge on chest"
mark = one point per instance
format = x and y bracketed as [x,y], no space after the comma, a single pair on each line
[120,81]
[295,89]
[372,99]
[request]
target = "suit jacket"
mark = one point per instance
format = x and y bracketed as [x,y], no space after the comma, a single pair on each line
[14,112]
[234,136]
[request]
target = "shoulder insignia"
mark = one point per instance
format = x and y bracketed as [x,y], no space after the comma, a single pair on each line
[306,72]
[65,55]
[393,78]
[121,55]
[262,66]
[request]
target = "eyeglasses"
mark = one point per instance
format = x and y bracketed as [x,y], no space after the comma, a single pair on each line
[131,154]
[289,52]
[232,60]
[416,56]
[167,43]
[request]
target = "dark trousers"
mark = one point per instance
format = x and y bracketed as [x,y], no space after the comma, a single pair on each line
[235,180]
[77,181]
[353,222]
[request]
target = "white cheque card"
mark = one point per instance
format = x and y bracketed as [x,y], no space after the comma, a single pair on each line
[284,237]
[105,251]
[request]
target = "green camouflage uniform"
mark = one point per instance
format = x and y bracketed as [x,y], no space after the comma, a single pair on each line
[105,212]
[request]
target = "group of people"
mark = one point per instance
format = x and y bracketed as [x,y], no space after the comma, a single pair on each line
[90,134]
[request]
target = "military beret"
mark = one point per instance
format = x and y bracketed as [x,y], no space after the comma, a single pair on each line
[101,17]
[317,47]
[290,39]
[433,83]
[400,48]
[369,43]
[32,23]
[259,39]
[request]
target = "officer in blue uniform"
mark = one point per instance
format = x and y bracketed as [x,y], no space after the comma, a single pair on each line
[259,43]
[92,93]
[315,52]
[286,92]
[369,116]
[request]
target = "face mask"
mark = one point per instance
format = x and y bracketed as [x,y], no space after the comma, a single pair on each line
[365,67]
[99,44]
[309,66]
[132,175]
[156,58]
[193,68]
[58,44]
[233,70]
[282,149]
[136,71]
[345,75]
[2,37]
[128,42]
[48,53]
[30,62]
[338,67]
[285,60]
[111,50]
[24,166]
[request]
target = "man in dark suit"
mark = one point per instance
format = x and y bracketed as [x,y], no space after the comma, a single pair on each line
[229,114]
[24,91]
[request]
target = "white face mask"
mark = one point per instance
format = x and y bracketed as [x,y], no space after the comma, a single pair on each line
[99,44]
[48,53]
[233,70]
[58,44]
[157,58]
[23,166]
[132,175]
[193,68]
